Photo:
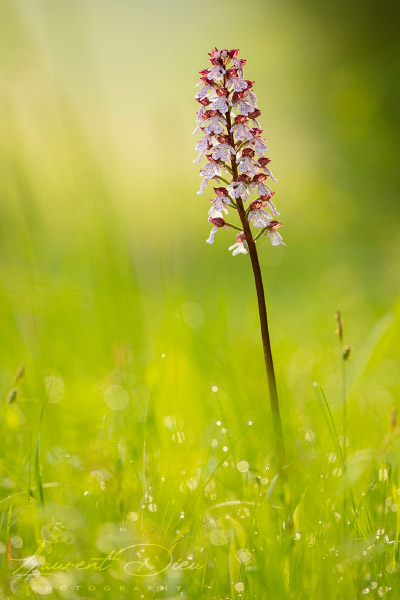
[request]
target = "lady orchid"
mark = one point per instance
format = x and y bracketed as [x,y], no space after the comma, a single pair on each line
[233,144]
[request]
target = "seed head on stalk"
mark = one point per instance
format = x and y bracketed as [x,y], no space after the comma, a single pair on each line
[234,148]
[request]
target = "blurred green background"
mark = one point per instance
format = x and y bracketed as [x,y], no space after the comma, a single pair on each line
[102,233]
[104,266]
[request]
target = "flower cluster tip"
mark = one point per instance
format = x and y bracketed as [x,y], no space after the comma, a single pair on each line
[234,148]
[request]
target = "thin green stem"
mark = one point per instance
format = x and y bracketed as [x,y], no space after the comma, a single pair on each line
[233,226]
[233,202]
[259,234]
[341,457]
[228,168]
[241,145]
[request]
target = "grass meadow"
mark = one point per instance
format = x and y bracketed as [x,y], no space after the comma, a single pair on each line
[137,450]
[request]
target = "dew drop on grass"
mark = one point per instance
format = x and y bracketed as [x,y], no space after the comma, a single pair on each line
[209,487]
[331,457]
[239,586]
[243,556]
[116,397]
[191,314]
[214,388]
[97,480]
[392,568]
[337,472]
[219,423]
[214,443]
[309,436]
[178,437]
[225,448]
[170,422]
[16,541]
[55,388]
[242,466]
[41,585]
[132,517]
[153,507]
[250,423]
[243,512]
[188,486]
[218,537]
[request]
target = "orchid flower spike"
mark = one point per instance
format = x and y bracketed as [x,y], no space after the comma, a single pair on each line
[233,145]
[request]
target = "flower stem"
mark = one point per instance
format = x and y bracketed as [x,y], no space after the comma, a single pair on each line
[269,365]
[259,234]
[233,226]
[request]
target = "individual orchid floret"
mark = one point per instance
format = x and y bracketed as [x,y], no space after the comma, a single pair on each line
[208,87]
[218,71]
[243,101]
[241,187]
[223,103]
[218,222]
[271,205]
[262,163]
[205,102]
[257,141]
[253,116]
[209,171]
[239,247]
[258,216]
[258,183]
[223,150]
[219,203]
[246,162]
[235,82]
[238,63]
[242,132]
[212,169]
[212,122]
[274,235]
[204,145]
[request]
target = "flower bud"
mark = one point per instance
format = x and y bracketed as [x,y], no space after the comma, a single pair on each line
[217,221]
